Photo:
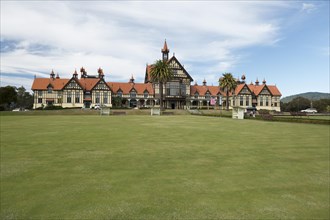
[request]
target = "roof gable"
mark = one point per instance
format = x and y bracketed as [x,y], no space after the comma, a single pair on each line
[265,91]
[73,83]
[101,85]
[176,67]
[243,89]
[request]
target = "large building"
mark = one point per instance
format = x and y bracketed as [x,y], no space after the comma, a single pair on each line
[179,93]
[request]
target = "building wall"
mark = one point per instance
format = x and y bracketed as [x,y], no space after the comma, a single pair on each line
[62,98]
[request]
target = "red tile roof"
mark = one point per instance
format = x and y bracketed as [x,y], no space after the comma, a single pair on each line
[274,90]
[147,76]
[88,83]
[239,87]
[202,90]
[127,87]
[43,83]
[256,89]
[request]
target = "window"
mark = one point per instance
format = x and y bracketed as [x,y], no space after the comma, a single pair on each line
[241,100]
[196,95]
[132,94]
[173,88]
[275,104]
[261,101]
[59,100]
[145,94]
[77,99]
[39,100]
[105,98]
[68,98]
[39,93]
[97,97]
[59,94]
[50,89]
[119,93]
[267,103]
[183,89]
[247,101]
[207,95]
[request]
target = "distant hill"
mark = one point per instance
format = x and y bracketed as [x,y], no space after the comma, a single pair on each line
[307,95]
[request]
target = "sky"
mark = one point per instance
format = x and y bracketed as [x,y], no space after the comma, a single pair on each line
[284,42]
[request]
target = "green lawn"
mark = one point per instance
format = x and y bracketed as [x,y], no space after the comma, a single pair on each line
[168,167]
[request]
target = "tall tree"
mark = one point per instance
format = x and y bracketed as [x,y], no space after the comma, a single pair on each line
[8,96]
[24,98]
[161,73]
[227,84]
[298,104]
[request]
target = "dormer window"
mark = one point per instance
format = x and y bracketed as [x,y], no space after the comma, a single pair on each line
[133,94]
[120,93]
[145,94]
[207,95]
[196,95]
[50,89]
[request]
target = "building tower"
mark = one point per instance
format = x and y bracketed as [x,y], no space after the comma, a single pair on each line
[165,52]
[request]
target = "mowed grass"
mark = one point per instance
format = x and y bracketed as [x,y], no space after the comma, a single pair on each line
[168,167]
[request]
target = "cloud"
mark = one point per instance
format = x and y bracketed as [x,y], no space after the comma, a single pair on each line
[121,37]
[308,7]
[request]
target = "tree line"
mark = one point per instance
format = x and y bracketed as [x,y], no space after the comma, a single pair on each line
[301,103]
[12,97]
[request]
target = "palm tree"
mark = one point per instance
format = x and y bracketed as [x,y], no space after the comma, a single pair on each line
[227,84]
[161,73]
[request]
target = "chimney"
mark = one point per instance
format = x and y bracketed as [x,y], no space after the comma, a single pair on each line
[204,82]
[100,72]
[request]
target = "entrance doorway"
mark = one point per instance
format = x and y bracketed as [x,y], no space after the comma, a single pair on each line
[173,105]
[87,104]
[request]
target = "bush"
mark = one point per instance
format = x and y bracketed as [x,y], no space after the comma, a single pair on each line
[53,107]
[263,112]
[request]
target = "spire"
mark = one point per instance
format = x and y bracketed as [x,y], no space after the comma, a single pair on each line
[165,48]
[204,82]
[75,74]
[264,81]
[165,52]
[131,80]
[257,82]
[52,74]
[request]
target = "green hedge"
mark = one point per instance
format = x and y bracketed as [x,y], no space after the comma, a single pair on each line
[289,119]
